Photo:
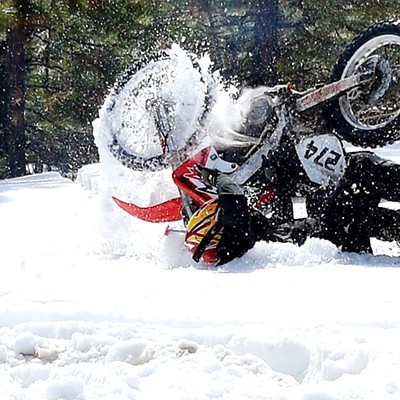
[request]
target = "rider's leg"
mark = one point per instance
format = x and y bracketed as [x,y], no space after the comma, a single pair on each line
[343,215]
[237,234]
[374,176]
[347,221]
[351,214]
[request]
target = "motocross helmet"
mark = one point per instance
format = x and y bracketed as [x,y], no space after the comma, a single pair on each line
[204,233]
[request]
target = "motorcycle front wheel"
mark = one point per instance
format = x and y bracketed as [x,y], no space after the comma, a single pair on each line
[156,108]
[369,115]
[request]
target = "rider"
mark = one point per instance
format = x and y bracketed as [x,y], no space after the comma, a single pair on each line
[347,213]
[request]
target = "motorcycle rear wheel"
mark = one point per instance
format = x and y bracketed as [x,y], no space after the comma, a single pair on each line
[369,115]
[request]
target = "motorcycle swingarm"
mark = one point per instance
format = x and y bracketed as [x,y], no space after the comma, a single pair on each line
[331,90]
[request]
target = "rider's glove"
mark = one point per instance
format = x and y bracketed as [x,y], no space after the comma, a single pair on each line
[208,176]
[296,232]
[302,229]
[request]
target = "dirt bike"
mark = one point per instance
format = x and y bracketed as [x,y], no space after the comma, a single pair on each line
[158,110]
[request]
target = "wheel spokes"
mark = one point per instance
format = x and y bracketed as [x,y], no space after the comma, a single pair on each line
[363,110]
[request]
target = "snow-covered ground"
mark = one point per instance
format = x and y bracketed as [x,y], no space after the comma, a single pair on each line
[93,305]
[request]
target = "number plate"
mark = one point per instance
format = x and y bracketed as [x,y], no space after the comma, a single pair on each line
[322,157]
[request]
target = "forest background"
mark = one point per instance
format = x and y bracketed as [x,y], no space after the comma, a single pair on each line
[60,58]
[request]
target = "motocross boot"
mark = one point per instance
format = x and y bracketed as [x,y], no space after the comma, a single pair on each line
[386,225]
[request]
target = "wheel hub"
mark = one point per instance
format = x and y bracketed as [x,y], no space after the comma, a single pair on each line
[383,75]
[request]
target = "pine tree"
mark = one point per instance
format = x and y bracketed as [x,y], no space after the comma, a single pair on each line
[13,71]
[266,45]
[242,37]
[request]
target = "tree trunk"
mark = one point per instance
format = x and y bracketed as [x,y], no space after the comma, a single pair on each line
[2,105]
[14,124]
[266,48]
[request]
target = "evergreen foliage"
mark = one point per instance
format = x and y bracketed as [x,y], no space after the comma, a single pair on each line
[71,52]
[315,32]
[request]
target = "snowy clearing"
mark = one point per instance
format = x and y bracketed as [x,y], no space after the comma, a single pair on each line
[95,305]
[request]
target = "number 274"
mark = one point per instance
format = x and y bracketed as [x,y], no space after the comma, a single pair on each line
[324,157]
